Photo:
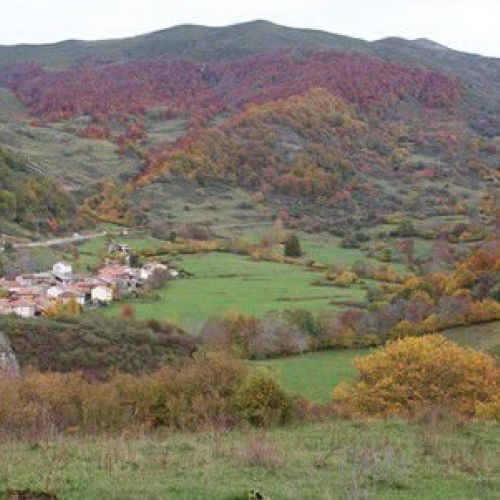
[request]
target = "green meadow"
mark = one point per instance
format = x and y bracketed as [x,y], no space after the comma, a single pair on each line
[223,283]
[315,375]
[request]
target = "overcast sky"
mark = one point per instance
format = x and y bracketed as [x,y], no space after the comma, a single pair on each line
[468,25]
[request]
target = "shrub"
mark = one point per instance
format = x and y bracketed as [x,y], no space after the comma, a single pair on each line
[412,373]
[210,390]
[261,401]
[199,394]
[347,278]
[489,410]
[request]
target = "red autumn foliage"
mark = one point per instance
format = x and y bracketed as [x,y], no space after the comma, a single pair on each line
[209,87]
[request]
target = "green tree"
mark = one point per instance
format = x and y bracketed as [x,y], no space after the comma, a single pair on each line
[292,246]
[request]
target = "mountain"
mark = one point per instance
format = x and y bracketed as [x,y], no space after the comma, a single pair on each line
[412,121]
[190,42]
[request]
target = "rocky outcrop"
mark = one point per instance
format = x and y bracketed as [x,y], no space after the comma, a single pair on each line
[8,360]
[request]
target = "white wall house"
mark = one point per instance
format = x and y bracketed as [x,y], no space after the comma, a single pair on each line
[24,309]
[149,269]
[54,292]
[102,293]
[78,297]
[62,270]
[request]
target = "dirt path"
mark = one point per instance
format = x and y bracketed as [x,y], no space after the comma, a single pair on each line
[60,241]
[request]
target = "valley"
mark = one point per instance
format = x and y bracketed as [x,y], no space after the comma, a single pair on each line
[298,237]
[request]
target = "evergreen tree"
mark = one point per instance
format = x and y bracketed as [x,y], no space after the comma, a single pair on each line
[292,246]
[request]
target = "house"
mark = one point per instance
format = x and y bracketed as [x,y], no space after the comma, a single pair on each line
[54,292]
[123,278]
[28,292]
[6,306]
[8,285]
[24,280]
[147,271]
[23,308]
[63,271]
[85,287]
[119,247]
[71,294]
[102,294]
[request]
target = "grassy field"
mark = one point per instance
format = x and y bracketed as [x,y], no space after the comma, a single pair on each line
[335,460]
[223,283]
[316,374]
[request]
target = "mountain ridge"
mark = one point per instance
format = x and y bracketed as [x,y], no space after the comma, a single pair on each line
[179,37]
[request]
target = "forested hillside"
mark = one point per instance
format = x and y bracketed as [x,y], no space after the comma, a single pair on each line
[33,201]
[277,111]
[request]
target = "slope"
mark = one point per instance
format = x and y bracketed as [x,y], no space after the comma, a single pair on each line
[32,201]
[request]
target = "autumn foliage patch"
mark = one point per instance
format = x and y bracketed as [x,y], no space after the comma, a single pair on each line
[213,86]
[210,390]
[414,373]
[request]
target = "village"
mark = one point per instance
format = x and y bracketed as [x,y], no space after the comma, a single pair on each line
[35,294]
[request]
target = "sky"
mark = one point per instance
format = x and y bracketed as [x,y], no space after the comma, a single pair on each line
[467,25]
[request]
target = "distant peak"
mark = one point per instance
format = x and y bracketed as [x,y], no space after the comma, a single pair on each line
[423,43]
[429,44]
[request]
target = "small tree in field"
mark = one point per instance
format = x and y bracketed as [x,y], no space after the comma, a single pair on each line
[127,312]
[292,246]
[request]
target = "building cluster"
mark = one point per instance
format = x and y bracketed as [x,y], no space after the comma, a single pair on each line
[30,295]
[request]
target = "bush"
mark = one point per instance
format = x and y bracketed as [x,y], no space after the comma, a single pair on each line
[412,373]
[346,278]
[210,390]
[261,401]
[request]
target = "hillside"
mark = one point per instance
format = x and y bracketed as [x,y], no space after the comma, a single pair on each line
[317,147]
[30,200]
[195,102]
[193,42]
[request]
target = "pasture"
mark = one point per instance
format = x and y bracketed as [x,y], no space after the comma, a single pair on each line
[379,459]
[223,283]
[315,375]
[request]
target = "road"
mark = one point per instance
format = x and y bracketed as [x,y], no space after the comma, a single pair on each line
[60,241]
[90,236]
[250,224]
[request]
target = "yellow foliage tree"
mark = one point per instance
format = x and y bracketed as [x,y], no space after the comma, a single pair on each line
[417,372]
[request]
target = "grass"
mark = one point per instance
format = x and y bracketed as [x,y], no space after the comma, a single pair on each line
[165,131]
[10,106]
[223,283]
[327,250]
[482,337]
[316,374]
[335,460]
[76,162]
[179,202]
